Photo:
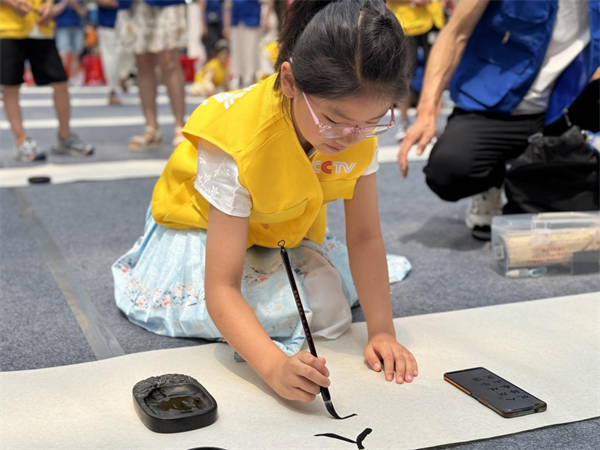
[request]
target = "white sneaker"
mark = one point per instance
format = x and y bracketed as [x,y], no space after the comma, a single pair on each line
[482,209]
[28,151]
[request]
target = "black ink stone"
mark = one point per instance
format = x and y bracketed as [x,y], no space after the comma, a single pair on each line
[173,403]
[38,180]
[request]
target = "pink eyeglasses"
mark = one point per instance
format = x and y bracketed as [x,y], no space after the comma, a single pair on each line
[340,131]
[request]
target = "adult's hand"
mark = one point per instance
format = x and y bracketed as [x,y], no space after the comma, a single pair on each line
[21,7]
[265,26]
[420,133]
[445,56]
[227,32]
[45,13]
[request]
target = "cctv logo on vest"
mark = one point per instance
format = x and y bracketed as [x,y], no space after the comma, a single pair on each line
[336,167]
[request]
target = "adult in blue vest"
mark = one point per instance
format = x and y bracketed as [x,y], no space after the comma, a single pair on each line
[211,16]
[68,15]
[244,22]
[154,30]
[515,68]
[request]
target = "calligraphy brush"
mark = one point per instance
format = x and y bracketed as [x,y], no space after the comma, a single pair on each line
[311,345]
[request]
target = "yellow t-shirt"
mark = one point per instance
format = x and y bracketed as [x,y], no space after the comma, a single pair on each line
[273,50]
[219,72]
[13,26]
[418,19]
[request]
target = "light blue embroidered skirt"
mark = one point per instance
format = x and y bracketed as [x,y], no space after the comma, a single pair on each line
[159,284]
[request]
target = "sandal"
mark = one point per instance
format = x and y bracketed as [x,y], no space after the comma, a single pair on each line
[113,99]
[150,139]
[178,137]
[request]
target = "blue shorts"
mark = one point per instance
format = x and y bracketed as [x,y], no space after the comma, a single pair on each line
[69,39]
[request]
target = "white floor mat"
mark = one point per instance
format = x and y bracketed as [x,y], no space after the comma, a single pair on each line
[137,168]
[72,173]
[547,347]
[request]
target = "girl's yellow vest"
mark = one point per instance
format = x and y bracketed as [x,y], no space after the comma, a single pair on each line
[13,26]
[415,19]
[289,191]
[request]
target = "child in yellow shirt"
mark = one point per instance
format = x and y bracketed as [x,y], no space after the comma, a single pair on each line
[27,34]
[259,166]
[213,77]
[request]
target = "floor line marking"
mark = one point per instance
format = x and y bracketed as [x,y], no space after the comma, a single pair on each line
[72,173]
[389,153]
[99,337]
[100,89]
[89,122]
[134,168]
[79,102]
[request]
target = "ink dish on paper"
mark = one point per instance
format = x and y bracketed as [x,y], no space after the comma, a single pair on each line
[173,403]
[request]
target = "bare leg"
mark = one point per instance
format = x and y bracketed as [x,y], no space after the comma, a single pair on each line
[74,65]
[64,57]
[146,80]
[173,77]
[12,109]
[62,106]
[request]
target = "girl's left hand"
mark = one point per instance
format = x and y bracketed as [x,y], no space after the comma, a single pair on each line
[395,357]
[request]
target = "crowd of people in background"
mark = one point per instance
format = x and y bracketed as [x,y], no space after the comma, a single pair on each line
[142,41]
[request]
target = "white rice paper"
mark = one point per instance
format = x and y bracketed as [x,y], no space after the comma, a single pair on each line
[549,348]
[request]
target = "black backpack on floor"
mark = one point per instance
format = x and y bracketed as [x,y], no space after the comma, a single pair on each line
[554,173]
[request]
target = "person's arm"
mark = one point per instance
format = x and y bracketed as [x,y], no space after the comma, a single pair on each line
[265,16]
[294,378]
[445,56]
[58,8]
[368,264]
[79,9]
[45,12]
[20,7]
[227,6]
[202,5]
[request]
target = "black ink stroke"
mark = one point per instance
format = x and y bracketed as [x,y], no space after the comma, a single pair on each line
[359,439]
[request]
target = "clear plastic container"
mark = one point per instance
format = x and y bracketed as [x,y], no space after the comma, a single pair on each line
[533,245]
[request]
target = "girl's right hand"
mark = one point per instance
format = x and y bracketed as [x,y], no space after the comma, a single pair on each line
[299,377]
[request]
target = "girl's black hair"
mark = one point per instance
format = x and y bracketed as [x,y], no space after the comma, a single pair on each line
[345,48]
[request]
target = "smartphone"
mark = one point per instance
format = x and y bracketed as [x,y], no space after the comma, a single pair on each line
[495,392]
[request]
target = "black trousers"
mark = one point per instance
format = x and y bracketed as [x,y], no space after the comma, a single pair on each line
[470,157]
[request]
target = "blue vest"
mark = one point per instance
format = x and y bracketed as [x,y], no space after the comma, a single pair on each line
[107,17]
[68,18]
[163,3]
[505,53]
[214,12]
[126,4]
[246,12]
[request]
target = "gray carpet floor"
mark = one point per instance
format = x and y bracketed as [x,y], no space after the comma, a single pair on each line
[94,223]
